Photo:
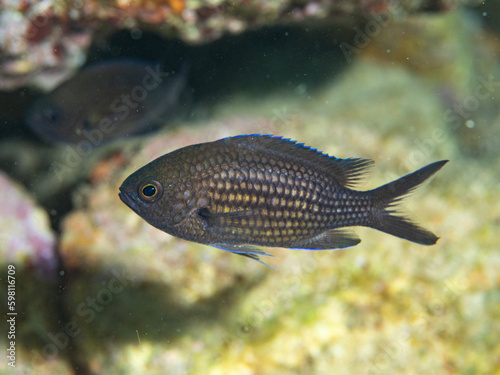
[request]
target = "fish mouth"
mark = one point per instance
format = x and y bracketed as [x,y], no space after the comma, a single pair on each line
[127,199]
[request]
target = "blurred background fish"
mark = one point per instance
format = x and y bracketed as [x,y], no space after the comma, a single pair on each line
[106,101]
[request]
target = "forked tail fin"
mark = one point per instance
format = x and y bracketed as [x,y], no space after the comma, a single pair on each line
[388,195]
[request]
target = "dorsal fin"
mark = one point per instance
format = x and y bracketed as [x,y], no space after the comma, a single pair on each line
[347,172]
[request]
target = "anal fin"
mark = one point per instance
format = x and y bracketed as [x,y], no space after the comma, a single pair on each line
[216,221]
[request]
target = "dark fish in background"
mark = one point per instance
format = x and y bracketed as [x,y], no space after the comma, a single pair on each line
[107,101]
[267,191]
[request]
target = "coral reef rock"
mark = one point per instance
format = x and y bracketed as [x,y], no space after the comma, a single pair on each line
[43,42]
[26,239]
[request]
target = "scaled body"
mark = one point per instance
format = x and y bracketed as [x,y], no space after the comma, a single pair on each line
[267,191]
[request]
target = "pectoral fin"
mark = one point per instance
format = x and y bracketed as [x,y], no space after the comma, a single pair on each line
[330,240]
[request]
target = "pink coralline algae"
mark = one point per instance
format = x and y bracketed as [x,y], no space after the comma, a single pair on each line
[26,239]
[40,43]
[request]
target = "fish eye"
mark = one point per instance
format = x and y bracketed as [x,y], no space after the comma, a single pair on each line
[150,191]
[50,115]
